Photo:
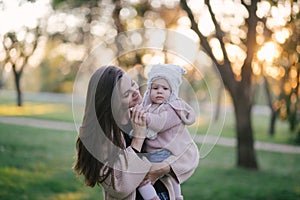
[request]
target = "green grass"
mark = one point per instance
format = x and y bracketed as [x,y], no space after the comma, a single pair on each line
[218,178]
[36,164]
[39,110]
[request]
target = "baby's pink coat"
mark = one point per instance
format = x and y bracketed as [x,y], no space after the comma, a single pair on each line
[169,121]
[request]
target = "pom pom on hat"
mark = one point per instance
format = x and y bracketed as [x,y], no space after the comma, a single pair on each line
[171,73]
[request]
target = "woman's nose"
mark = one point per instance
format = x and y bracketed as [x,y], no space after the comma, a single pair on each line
[134,93]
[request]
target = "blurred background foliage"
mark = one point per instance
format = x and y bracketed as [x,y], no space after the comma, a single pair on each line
[43,43]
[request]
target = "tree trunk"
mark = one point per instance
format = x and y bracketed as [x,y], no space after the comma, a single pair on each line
[298,136]
[246,155]
[272,123]
[218,104]
[18,89]
[274,111]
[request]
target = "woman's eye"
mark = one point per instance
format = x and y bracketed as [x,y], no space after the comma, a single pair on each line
[126,95]
[134,85]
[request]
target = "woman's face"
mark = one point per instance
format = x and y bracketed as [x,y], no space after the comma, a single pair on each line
[130,94]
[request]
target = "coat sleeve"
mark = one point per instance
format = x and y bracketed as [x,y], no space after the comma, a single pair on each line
[184,111]
[186,163]
[129,171]
[164,120]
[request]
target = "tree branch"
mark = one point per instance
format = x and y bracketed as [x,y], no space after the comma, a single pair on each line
[224,69]
[194,27]
[250,42]
[219,33]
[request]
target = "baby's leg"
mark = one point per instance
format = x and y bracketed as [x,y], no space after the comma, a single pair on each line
[148,192]
[177,189]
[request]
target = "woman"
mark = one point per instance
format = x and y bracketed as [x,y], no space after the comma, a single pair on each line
[105,153]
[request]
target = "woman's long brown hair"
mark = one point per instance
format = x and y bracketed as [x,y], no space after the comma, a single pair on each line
[86,163]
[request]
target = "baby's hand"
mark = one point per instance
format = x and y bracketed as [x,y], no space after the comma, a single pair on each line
[144,182]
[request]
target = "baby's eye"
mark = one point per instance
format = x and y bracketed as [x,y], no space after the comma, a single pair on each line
[166,88]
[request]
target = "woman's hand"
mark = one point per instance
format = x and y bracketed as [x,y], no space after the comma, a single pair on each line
[138,121]
[157,170]
[138,117]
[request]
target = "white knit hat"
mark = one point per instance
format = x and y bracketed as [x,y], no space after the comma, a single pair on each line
[172,73]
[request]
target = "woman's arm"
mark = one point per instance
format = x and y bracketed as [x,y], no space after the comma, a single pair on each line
[129,169]
[180,167]
[157,170]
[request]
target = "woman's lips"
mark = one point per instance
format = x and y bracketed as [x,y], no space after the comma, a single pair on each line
[137,98]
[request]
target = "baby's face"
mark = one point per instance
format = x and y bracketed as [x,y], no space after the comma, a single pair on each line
[160,91]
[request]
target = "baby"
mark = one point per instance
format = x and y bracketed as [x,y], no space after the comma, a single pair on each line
[167,117]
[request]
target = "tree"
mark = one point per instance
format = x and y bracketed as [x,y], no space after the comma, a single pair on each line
[286,99]
[239,87]
[19,47]
[278,61]
[21,37]
[254,34]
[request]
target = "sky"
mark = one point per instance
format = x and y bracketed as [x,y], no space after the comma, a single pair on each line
[13,16]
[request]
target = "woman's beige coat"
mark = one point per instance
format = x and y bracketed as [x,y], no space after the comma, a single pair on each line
[135,169]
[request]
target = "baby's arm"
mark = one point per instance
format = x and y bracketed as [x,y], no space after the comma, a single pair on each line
[162,121]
